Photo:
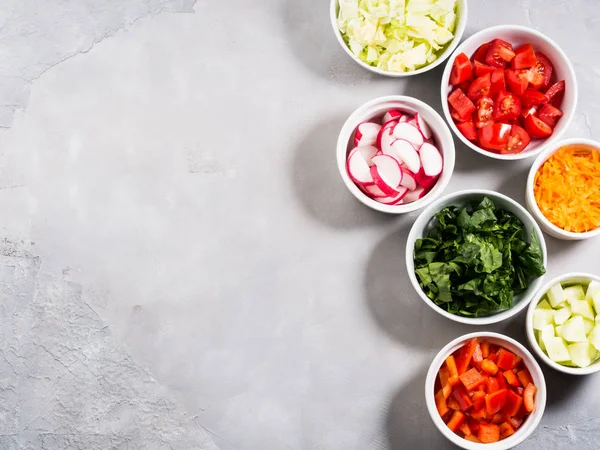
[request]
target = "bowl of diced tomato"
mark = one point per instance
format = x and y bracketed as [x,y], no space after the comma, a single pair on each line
[509,92]
[485,390]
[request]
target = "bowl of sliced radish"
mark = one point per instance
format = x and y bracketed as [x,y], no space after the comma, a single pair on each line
[395,154]
[563,323]
[509,92]
[485,391]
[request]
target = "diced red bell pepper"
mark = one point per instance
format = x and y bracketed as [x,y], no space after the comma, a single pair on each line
[513,403]
[472,438]
[445,385]
[502,384]
[516,362]
[516,423]
[506,430]
[489,367]
[477,356]
[465,429]
[529,397]
[488,433]
[472,379]
[462,398]
[464,355]
[511,378]
[473,424]
[492,385]
[525,377]
[451,365]
[506,359]
[456,421]
[453,404]
[478,399]
[440,402]
[493,357]
[495,402]
[479,414]
[499,417]
[485,349]
[519,391]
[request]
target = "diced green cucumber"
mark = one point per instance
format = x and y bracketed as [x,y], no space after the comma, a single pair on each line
[557,350]
[556,295]
[562,315]
[582,353]
[573,330]
[588,326]
[582,308]
[543,304]
[594,337]
[542,317]
[574,292]
[593,295]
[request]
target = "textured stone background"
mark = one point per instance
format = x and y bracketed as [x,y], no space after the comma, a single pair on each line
[179,257]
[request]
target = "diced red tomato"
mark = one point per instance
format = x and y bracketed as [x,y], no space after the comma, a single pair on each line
[472,379]
[513,403]
[456,421]
[531,97]
[506,430]
[462,398]
[499,54]
[524,57]
[495,401]
[505,359]
[494,137]
[536,127]
[480,87]
[511,378]
[462,105]
[529,397]
[556,92]
[468,130]
[526,111]
[481,52]
[498,82]
[462,70]
[517,141]
[489,367]
[465,353]
[488,433]
[517,80]
[482,69]
[507,107]
[484,113]
[550,114]
[540,75]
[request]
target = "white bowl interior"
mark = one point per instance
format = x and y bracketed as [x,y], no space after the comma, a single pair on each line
[462,12]
[566,279]
[534,368]
[532,206]
[374,110]
[425,222]
[518,35]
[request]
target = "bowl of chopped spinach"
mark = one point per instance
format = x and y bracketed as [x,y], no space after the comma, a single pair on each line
[476,257]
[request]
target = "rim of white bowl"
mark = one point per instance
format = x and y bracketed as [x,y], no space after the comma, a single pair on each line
[574,277]
[446,147]
[567,118]
[532,365]
[428,214]
[458,33]
[530,195]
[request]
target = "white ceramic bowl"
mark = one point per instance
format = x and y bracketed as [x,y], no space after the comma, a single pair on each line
[532,206]
[573,277]
[424,224]
[460,29]
[537,375]
[517,35]
[374,110]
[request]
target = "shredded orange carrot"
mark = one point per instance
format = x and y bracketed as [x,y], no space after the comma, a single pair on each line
[567,189]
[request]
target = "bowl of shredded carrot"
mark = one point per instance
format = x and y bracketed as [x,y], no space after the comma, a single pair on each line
[563,189]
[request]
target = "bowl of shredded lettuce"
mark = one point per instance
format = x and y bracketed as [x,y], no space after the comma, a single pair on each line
[398,38]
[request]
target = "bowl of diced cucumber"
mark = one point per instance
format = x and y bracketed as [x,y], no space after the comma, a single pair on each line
[563,323]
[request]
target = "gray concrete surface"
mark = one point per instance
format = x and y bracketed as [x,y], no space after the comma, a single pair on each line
[181,262]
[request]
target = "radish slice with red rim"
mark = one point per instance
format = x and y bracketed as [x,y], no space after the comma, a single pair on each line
[386,130]
[374,192]
[405,152]
[395,199]
[408,180]
[404,118]
[386,174]
[409,133]
[425,180]
[413,196]
[392,114]
[431,160]
[422,126]
[358,166]
[366,134]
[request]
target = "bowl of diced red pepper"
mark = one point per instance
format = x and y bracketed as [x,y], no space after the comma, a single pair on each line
[485,390]
[508,92]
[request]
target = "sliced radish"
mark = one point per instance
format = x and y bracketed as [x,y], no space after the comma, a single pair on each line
[404,118]
[422,126]
[358,168]
[367,152]
[386,144]
[374,192]
[413,122]
[413,196]
[409,133]
[425,181]
[408,180]
[395,199]
[386,129]
[431,160]
[406,154]
[366,134]
[386,174]
[392,114]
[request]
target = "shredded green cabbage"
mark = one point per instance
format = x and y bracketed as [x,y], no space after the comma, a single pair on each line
[397,35]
